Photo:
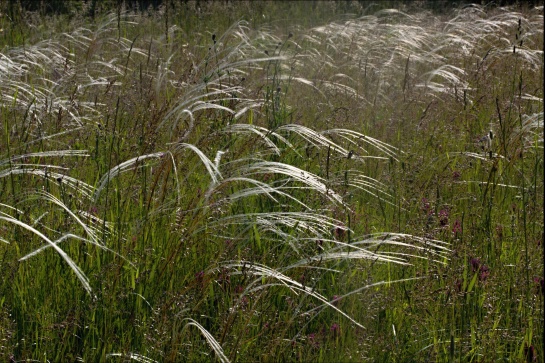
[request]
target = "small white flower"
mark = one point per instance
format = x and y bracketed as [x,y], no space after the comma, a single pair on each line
[486,141]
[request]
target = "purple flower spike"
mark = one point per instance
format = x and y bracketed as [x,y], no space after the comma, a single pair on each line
[475,264]
[457,227]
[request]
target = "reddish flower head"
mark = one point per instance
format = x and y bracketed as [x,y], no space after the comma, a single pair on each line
[456,175]
[443,217]
[457,227]
[481,268]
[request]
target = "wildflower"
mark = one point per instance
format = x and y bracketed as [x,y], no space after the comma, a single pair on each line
[480,268]
[340,232]
[475,264]
[313,341]
[457,227]
[484,273]
[335,329]
[456,175]
[335,300]
[443,217]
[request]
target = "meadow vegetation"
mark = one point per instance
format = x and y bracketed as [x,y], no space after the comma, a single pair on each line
[265,181]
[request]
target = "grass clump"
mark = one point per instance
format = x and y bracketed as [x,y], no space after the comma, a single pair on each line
[300,192]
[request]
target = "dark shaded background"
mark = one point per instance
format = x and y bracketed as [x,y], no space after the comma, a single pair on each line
[91,7]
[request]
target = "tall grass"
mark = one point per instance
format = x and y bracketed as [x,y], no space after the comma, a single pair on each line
[308,193]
